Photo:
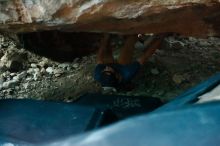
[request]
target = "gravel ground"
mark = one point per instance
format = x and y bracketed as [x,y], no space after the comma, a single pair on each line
[180,64]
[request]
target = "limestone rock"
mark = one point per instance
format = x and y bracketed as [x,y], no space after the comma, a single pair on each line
[1,80]
[64,65]
[14,60]
[75,65]
[193,18]
[155,71]
[33,65]
[10,84]
[50,70]
[20,76]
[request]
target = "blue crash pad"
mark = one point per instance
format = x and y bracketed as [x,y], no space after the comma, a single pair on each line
[196,125]
[30,121]
[177,123]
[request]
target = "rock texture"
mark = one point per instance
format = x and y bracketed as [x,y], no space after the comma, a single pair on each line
[187,17]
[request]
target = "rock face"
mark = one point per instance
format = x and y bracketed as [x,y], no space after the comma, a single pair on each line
[187,17]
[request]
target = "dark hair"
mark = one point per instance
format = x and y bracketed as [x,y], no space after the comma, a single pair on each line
[108,79]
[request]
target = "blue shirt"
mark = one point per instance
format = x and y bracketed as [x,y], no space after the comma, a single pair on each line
[127,72]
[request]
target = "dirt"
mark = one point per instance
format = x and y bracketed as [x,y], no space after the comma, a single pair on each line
[181,63]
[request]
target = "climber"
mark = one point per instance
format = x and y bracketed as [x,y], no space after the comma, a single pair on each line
[112,74]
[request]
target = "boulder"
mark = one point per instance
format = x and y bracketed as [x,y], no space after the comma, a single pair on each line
[14,60]
[198,18]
